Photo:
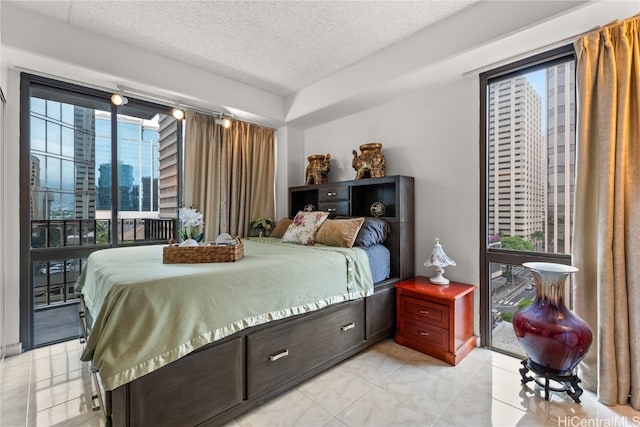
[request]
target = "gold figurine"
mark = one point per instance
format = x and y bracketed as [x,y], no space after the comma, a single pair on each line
[370,163]
[317,169]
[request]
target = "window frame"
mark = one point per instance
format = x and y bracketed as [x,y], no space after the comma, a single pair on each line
[28,255]
[498,255]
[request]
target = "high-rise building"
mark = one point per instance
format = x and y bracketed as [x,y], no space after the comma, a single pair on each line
[516,155]
[168,167]
[84,142]
[561,151]
[137,162]
[148,186]
[38,207]
[128,192]
[103,189]
[54,129]
[71,163]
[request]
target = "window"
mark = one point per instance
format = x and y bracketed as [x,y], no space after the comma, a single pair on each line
[97,176]
[530,218]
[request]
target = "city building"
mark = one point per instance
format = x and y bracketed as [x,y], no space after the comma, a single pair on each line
[561,152]
[138,166]
[516,154]
[84,131]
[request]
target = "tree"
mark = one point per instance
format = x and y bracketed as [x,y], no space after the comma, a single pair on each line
[537,237]
[102,233]
[508,316]
[517,243]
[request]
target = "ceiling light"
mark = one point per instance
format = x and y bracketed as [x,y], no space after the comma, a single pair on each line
[226,123]
[118,99]
[178,113]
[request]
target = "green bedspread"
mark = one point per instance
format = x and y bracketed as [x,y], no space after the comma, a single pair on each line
[148,314]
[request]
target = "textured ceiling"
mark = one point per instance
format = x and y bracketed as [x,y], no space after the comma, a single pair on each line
[278,46]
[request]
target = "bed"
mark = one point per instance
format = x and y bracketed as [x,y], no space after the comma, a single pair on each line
[237,363]
[225,368]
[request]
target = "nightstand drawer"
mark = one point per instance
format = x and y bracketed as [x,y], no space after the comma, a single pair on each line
[423,332]
[425,311]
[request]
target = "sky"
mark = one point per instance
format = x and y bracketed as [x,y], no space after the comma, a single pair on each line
[539,81]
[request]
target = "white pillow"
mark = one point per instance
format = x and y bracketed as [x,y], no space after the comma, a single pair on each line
[304,227]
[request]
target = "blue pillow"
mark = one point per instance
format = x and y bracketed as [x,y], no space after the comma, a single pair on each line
[373,231]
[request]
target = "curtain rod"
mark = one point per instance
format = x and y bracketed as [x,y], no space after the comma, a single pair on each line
[517,57]
[610,24]
[545,48]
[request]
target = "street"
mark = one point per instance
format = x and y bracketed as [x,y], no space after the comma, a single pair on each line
[506,299]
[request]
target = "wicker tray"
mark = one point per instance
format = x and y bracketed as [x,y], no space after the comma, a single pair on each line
[174,254]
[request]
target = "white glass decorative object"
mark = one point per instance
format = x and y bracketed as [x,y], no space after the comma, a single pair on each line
[189,242]
[439,260]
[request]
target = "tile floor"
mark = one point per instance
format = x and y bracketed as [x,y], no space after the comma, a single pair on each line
[387,385]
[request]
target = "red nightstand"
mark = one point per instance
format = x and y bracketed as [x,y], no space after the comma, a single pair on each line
[435,319]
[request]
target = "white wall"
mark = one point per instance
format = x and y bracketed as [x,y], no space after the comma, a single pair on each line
[2,157]
[289,166]
[11,213]
[431,135]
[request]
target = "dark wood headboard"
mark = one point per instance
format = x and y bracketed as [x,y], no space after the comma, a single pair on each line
[354,199]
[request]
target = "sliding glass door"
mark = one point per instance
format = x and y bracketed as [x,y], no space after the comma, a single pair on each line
[93,176]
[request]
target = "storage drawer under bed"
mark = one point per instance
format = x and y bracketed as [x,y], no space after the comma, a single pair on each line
[279,354]
[211,381]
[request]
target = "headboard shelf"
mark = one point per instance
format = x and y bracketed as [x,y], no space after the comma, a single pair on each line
[354,198]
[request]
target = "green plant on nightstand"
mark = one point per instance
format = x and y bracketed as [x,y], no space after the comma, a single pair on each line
[262,225]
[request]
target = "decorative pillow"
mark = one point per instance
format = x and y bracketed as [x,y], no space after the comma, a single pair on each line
[339,232]
[280,228]
[304,226]
[373,231]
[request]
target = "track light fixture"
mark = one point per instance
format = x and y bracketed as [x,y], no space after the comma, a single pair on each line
[118,99]
[178,111]
[178,114]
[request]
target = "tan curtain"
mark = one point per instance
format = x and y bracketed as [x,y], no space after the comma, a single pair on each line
[607,209]
[229,173]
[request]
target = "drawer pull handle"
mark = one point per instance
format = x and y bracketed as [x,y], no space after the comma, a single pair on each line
[274,357]
[330,194]
[347,327]
[424,311]
[424,333]
[331,209]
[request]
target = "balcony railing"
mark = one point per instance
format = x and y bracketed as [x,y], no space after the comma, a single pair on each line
[85,232]
[55,270]
[54,281]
